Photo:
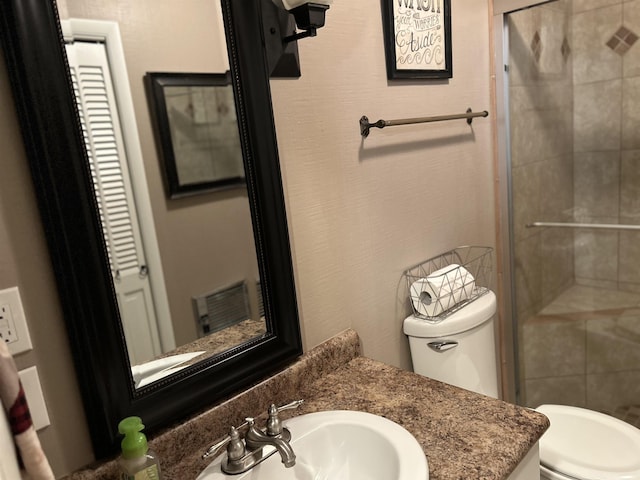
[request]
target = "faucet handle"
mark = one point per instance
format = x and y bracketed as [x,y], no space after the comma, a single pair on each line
[215,449]
[274,425]
[235,447]
[233,442]
[289,406]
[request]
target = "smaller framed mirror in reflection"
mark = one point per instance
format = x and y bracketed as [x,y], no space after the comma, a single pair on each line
[196,129]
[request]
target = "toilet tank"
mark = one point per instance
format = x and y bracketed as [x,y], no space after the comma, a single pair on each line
[460,349]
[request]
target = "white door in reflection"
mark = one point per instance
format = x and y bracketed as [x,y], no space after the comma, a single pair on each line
[114,193]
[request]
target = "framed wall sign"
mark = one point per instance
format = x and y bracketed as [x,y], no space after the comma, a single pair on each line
[417,37]
[194,116]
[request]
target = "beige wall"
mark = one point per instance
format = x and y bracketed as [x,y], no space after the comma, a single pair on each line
[360,212]
[24,262]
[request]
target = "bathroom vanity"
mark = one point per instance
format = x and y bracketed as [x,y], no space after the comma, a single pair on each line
[463,434]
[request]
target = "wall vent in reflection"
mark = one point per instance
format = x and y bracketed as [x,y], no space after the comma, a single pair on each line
[221,308]
[260,302]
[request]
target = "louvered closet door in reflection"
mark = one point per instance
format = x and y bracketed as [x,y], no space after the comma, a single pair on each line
[112,185]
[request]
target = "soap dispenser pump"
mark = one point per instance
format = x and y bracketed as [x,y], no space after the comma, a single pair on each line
[137,462]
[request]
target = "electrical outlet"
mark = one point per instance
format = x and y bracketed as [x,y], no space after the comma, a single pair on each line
[13,324]
[7,325]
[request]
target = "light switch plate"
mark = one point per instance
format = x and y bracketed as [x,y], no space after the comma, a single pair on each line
[33,391]
[13,323]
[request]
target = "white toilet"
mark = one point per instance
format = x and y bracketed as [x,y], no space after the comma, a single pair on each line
[587,445]
[580,444]
[460,349]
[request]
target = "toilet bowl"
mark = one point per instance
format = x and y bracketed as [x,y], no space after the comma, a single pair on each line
[582,444]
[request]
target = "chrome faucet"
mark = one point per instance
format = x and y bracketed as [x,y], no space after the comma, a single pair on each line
[244,455]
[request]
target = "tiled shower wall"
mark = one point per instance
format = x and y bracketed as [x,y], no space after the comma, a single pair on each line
[575,120]
[541,120]
[606,72]
[575,71]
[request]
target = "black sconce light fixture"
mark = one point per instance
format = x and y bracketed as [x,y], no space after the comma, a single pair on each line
[286,22]
[309,16]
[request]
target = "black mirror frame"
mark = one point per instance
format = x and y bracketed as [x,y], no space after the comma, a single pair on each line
[34,54]
[155,84]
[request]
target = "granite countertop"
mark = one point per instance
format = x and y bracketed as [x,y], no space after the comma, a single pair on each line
[220,341]
[463,434]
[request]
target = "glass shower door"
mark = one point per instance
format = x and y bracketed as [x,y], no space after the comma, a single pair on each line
[574,128]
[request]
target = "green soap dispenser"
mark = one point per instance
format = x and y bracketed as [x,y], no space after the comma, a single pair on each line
[137,462]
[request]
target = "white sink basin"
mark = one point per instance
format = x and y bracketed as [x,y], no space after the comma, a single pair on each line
[340,445]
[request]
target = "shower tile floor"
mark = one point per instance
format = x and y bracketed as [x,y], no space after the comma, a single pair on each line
[583,349]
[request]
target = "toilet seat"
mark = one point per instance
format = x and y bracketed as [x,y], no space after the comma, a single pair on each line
[588,445]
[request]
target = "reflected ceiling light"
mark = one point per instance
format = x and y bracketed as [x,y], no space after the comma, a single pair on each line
[309,16]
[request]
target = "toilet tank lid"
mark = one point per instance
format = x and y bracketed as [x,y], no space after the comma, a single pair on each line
[468,317]
[589,445]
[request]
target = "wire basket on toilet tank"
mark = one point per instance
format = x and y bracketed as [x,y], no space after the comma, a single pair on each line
[444,284]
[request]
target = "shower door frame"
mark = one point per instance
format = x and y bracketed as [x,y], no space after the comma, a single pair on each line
[509,329]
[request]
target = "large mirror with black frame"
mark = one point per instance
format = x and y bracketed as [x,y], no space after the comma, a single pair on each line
[184,270]
[60,161]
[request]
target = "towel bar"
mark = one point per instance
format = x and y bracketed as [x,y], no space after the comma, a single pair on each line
[600,226]
[365,126]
